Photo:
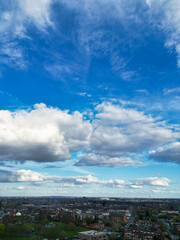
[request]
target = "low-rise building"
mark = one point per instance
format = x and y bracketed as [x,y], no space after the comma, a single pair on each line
[117,219]
[96,226]
[92,235]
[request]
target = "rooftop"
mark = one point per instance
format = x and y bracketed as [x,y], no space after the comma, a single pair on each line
[92,233]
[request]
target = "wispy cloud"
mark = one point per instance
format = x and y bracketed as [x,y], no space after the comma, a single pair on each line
[84,94]
[14,22]
[167,91]
[142,91]
[13,55]
[166,15]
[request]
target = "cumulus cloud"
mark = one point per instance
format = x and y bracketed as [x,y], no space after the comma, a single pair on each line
[20,176]
[117,183]
[42,134]
[167,153]
[28,176]
[120,131]
[152,181]
[111,138]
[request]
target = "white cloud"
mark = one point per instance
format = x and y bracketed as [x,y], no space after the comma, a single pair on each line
[42,134]
[171,90]
[16,14]
[167,153]
[142,91]
[37,11]
[29,176]
[84,94]
[67,185]
[20,187]
[117,183]
[148,2]
[21,176]
[114,135]
[119,131]
[89,179]
[152,181]
[79,180]
[135,186]
[90,159]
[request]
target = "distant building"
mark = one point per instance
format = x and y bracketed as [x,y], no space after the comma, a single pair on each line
[96,226]
[92,235]
[140,233]
[176,229]
[117,219]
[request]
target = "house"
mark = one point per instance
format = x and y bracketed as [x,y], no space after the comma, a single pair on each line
[96,226]
[117,219]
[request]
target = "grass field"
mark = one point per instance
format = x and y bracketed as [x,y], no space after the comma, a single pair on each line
[71,232]
[75,232]
[63,226]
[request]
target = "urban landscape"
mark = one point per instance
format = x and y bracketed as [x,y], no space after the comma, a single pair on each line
[89,218]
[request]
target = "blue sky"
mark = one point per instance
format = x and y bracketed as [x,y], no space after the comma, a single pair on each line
[90,98]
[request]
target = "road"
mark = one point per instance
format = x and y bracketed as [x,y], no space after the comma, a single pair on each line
[131,219]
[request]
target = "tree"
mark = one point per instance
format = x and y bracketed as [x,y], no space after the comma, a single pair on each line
[42,219]
[61,234]
[2,229]
[113,236]
[53,233]
[148,213]
[89,220]
[70,227]
[67,218]
[164,228]
[13,230]
[27,228]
